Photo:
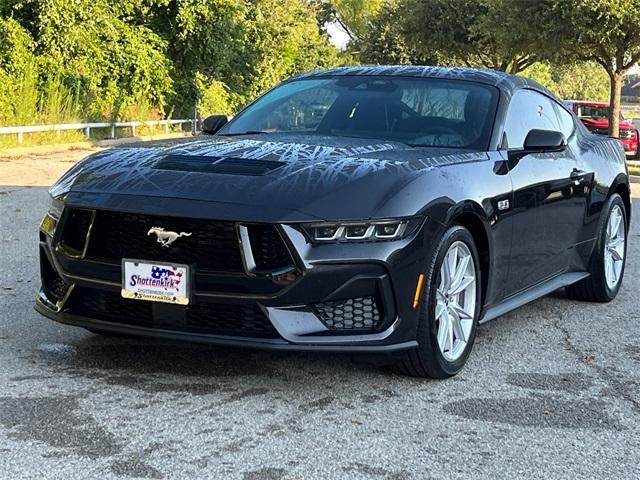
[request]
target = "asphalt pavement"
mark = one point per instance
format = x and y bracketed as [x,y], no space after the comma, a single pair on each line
[551,391]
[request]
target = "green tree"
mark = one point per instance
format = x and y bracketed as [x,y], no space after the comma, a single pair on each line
[385,42]
[485,33]
[580,80]
[603,31]
[18,73]
[124,59]
[93,47]
[353,16]
[239,47]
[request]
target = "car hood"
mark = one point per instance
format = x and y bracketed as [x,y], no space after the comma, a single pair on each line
[275,177]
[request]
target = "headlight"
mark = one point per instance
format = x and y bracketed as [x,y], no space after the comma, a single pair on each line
[56,206]
[628,134]
[51,218]
[365,231]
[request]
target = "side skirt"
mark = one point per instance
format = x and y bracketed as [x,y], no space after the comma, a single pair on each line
[532,294]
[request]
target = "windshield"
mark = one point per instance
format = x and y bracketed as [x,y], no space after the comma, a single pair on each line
[416,111]
[593,111]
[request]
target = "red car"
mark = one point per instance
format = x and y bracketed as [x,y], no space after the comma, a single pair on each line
[595,116]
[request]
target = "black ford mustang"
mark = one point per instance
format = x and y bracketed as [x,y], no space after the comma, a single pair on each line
[378,209]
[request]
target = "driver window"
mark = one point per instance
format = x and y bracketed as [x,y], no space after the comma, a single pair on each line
[528,110]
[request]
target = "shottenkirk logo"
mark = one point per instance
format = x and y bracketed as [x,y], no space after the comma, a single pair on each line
[160,277]
[166,238]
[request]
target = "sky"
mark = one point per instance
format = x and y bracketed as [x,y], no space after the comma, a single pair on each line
[337,35]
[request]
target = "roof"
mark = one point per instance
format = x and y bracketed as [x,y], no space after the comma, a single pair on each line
[631,89]
[505,81]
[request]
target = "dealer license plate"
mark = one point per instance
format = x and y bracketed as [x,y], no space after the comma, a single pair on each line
[156,282]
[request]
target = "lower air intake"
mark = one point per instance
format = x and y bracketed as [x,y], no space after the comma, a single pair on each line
[239,320]
[53,285]
[361,313]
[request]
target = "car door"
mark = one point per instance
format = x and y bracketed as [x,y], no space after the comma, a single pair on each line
[549,195]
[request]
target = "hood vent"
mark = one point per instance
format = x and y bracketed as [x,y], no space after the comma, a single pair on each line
[222,165]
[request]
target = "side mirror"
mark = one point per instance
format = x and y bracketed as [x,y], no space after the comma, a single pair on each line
[544,141]
[213,123]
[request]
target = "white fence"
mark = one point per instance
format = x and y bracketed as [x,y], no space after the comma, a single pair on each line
[20,131]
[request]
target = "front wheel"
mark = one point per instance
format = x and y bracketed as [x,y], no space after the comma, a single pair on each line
[449,308]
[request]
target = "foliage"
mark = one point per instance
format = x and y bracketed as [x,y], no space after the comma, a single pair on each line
[512,35]
[353,16]
[214,97]
[485,33]
[124,59]
[63,60]
[579,81]
[18,77]
[384,42]
[604,31]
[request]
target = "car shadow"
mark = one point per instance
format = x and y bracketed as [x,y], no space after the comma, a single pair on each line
[134,361]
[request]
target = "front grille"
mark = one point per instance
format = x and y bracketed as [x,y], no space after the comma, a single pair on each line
[230,319]
[211,246]
[53,285]
[241,320]
[269,251]
[76,226]
[110,306]
[360,313]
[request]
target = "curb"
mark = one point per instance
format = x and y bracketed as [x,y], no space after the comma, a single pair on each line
[634,178]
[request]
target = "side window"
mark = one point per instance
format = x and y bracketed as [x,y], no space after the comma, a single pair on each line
[528,110]
[566,121]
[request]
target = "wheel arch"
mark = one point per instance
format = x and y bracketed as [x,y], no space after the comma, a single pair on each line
[621,187]
[472,217]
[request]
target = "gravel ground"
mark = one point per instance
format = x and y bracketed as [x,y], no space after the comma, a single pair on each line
[551,390]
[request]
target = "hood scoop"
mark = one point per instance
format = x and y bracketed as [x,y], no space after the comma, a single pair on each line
[220,165]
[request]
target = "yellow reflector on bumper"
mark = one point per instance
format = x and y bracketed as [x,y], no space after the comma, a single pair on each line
[48,224]
[416,297]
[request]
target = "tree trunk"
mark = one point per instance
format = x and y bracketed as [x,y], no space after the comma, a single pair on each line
[614,104]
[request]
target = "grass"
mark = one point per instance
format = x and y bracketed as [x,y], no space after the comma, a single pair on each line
[53,102]
[73,136]
[41,138]
[633,170]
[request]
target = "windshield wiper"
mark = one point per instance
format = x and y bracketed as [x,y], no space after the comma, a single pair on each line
[248,132]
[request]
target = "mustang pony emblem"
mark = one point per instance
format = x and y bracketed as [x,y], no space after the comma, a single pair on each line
[166,238]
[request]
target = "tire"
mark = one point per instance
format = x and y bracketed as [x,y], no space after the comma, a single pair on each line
[428,359]
[596,287]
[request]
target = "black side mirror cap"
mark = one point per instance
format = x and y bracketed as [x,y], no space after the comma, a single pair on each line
[213,123]
[544,141]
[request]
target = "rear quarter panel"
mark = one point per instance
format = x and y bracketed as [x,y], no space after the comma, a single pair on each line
[604,157]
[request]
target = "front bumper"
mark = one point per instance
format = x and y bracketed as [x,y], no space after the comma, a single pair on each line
[282,313]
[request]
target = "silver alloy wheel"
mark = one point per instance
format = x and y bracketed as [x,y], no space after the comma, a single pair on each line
[614,247]
[455,301]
